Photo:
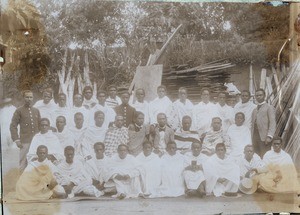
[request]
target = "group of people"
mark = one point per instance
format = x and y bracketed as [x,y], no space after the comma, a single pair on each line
[128,147]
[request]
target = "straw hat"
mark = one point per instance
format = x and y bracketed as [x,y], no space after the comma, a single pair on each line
[248,186]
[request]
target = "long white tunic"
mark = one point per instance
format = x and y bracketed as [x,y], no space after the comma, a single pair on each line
[109,114]
[6,114]
[144,108]
[66,138]
[152,169]
[158,105]
[46,110]
[66,112]
[97,168]
[245,166]
[226,113]
[86,115]
[194,179]
[246,108]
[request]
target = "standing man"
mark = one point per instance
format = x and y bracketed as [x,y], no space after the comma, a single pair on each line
[263,124]
[27,117]
[125,109]
[112,100]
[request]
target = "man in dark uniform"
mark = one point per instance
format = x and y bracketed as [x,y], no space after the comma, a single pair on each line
[126,110]
[27,117]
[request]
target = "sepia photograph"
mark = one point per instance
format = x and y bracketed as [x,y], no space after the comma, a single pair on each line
[149,107]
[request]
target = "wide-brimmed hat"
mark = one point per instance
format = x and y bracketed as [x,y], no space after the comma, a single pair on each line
[248,186]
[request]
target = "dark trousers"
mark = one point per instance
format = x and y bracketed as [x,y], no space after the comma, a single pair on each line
[259,146]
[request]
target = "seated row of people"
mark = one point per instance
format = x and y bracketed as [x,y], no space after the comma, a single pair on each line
[148,175]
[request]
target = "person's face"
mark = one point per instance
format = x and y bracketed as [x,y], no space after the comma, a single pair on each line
[88,94]
[101,98]
[140,95]
[78,119]
[216,124]
[44,127]
[42,154]
[47,97]
[99,119]
[119,121]
[239,119]
[78,100]
[161,92]
[231,101]
[147,149]
[99,151]
[161,120]
[60,123]
[221,151]
[222,99]
[122,151]
[186,124]
[196,149]
[276,145]
[28,98]
[171,149]
[245,97]
[205,96]
[182,95]
[140,120]
[112,92]
[69,154]
[62,101]
[260,96]
[125,98]
[249,152]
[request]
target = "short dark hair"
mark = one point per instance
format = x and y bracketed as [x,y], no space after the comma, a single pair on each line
[78,114]
[248,146]
[98,112]
[277,138]
[101,92]
[62,117]
[78,94]
[216,117]
[162,87]
[171,142]
[147,142]
[203,89]
[140,89]
[62,94]
[246,91]
[48,90]
[262,90]
[41,147]
[119,146]
[138,113]
[183,88]
[99,144]
[45,119]
[241,113]
[196,142]
[219,145]
[26,91]
[69,148]
[87,88]
[112,86]
[186,117]
[161,114]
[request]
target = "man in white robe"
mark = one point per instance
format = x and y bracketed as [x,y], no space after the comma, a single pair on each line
[92,135]
[172,184]
[62,110]
[38,181]
[112,100]
[109,113]
[78,130]
[79,108]
[203,113]
[239,136]
[221,173]
[73,177]
[180,108]
[246,106]
[46,106]
[124,170]
[65,136]
[46,137]
[225,112]
[193,172]
[279,174]
[89,100]
[159,104]
[151,163]
[141,105]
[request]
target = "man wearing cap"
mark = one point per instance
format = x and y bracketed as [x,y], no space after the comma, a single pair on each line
[125,109]
[27,117]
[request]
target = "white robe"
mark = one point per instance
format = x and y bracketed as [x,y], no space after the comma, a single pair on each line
[6,114]
[46,110]
[239,137]
[144,108]
[66,112]
[86,142]
[226,113]
[127,166]
[202,115]
[172,176]
[158,106]
[109,114]
[89,104]
[245,166]
[246,108]
[48,139]
[152,168]
[215,168]
[85,112]
[66,138]
[194,179]
[97,168]
[77,133]
[178,110]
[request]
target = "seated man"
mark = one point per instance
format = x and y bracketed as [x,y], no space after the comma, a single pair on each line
[65,136]
[221,173]
[193,172]
[97,166]
[151,164]
[239,136]
[213,137]
[91,135]
[125,109]
[184,137]
[172,184]
[46,137]
[281,174]
[123,170]
[161,134]
[137,133]
[115,136]
[38,182]
[73,177]
[78,129]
